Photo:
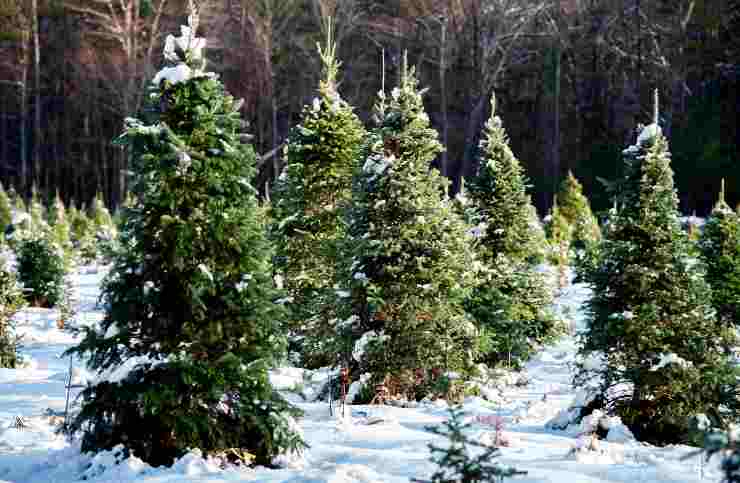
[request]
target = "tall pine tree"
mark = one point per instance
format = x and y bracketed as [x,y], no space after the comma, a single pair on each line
[650,316]
[407,257]
[511,299]
[720,250]
[310,196]
[191,324]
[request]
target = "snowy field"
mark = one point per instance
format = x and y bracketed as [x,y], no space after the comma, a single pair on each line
[371,444]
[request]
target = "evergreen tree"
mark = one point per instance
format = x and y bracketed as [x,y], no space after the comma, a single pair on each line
[6,214]
[407,256]
[720,250]
[191,323]
[456,465]
[60,229]
[307,226]
[576,210]
[11,301]
[37,211]
[41,269]
[561,232]
[511,299]
[650,315]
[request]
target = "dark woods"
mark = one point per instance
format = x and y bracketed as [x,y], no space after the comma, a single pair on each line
[570,75]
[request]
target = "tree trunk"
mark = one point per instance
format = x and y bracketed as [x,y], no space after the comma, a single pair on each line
[37,92]
[443,94]
[23,185]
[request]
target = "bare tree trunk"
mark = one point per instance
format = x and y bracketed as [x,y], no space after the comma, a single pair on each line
[443,94]
[37,91]
[22,189]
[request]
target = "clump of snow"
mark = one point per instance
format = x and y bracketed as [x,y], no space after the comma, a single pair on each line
[671,358]
[648,134]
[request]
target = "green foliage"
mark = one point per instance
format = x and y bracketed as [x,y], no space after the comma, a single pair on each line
[83,234]
[60,229]
[575,208]
[456,464]
[720,250]
[561,233]
[6,215]
[11,301]
[406,260]
[190,297]
[161,410]
[650,315]
[41,271]
[307,227]
[510,301]
[37,211]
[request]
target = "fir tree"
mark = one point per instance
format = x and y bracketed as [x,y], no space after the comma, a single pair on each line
[60,229]
[407,257]
[310,195]
[456,464]
[11,301]
[650,315]
[6,214]
[37,211]
[191,315]
[511,299]
[720,250]
[576,210]
[561,232]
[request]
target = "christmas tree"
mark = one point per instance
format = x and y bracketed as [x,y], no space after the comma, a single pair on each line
[191,323]
[6,212]
[576,210]
[11,301]
[456,464]
[407,257]
[511,299]
[720,250]
[310,195]
[650,315]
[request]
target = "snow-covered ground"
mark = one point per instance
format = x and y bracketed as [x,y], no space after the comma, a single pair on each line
[378,444]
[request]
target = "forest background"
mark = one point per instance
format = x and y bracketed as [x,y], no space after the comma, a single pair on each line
[572,79]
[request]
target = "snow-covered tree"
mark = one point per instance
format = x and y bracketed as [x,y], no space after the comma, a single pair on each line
[407,258]
[191,321]
[651,320]
[720,250]
[309,197]
[511,298]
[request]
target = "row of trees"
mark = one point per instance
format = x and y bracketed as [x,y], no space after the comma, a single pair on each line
[369,248]
[574,73]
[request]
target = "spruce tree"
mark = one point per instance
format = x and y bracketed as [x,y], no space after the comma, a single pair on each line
[6,213]
[191,321]
[11,301]
[561,232]
[720,250]
[60,229]
[310,196]
[456,464]
[407,257]
[574,206]
[511,299]
[37,211]
[650,317]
